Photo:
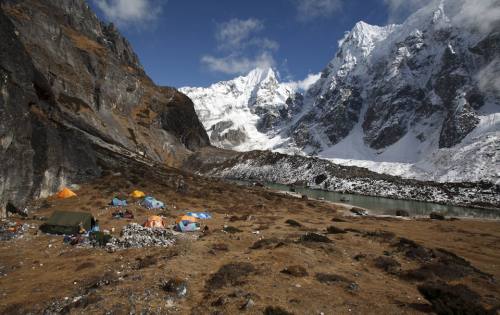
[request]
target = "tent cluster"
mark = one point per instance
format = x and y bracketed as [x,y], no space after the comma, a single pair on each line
[82,227]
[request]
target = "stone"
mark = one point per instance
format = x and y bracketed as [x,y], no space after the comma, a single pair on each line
[94,110]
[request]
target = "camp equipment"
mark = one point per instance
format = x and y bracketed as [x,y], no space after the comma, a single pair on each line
[154,221]
[137,194]
[186,218]
[186,226]
[118,203]
[151,203]
[65,193]
[200,215]
[67,222]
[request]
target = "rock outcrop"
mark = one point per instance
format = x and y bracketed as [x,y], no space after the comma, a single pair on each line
[75,99]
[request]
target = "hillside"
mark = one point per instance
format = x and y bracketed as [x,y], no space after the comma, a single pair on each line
[75,100]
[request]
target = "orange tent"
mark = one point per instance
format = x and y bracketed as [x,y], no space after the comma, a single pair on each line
[65,193]
[186,218]
[154,221]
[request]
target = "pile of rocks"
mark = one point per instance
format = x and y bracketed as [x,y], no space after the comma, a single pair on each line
[135,235]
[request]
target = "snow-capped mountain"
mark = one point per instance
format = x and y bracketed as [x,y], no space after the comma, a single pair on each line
[420,99]
[242,113]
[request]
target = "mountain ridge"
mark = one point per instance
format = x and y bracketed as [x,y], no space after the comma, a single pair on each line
[407,94]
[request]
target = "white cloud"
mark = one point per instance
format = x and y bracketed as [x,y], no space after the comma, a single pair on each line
[304,84]
[237,64]
[239,34]
[311,9]
[244,48]
[126,12]
[481,14]
[489,78]
[399,10]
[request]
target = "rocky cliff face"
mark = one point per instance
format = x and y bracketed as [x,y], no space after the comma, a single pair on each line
[243,113]
[74,99]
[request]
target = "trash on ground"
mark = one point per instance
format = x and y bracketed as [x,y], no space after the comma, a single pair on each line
[11,229]
[135,235]
[127,214]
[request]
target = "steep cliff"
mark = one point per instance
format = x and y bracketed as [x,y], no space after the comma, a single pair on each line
[74,99]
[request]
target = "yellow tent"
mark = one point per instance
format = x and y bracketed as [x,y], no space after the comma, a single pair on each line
[65,193]
[186,218]
[154,221]
[138,194]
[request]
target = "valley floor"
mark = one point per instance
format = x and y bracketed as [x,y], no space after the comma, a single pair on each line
[370,266]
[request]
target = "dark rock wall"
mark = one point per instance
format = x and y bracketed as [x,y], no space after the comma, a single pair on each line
[72,92]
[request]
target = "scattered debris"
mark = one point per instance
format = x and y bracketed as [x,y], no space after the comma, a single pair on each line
[295,270]
[120,214]
[11,230]
[134,235]
[230,274]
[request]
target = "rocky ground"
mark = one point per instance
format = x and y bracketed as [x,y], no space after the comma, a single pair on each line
[317,173]
[262,252]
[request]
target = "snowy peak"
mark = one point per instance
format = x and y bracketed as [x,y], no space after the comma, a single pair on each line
[241,113]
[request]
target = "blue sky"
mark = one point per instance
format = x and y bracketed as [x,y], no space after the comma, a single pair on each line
[198,42]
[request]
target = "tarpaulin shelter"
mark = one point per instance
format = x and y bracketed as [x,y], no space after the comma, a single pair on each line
[65,193]
[186,218]
[187,223]
[137,194]
[200,215]
[154,221]
[151,203]
[67,222]
[118,202]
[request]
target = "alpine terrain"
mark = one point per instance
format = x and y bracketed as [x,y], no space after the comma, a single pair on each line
[418,100]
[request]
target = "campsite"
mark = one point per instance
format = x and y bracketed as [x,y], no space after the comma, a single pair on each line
[260,251]
[249,157]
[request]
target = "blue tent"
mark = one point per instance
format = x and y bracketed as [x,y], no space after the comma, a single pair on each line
[151,203]
[118,203]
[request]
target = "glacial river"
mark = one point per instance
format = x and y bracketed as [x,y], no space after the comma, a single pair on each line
[387,206]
